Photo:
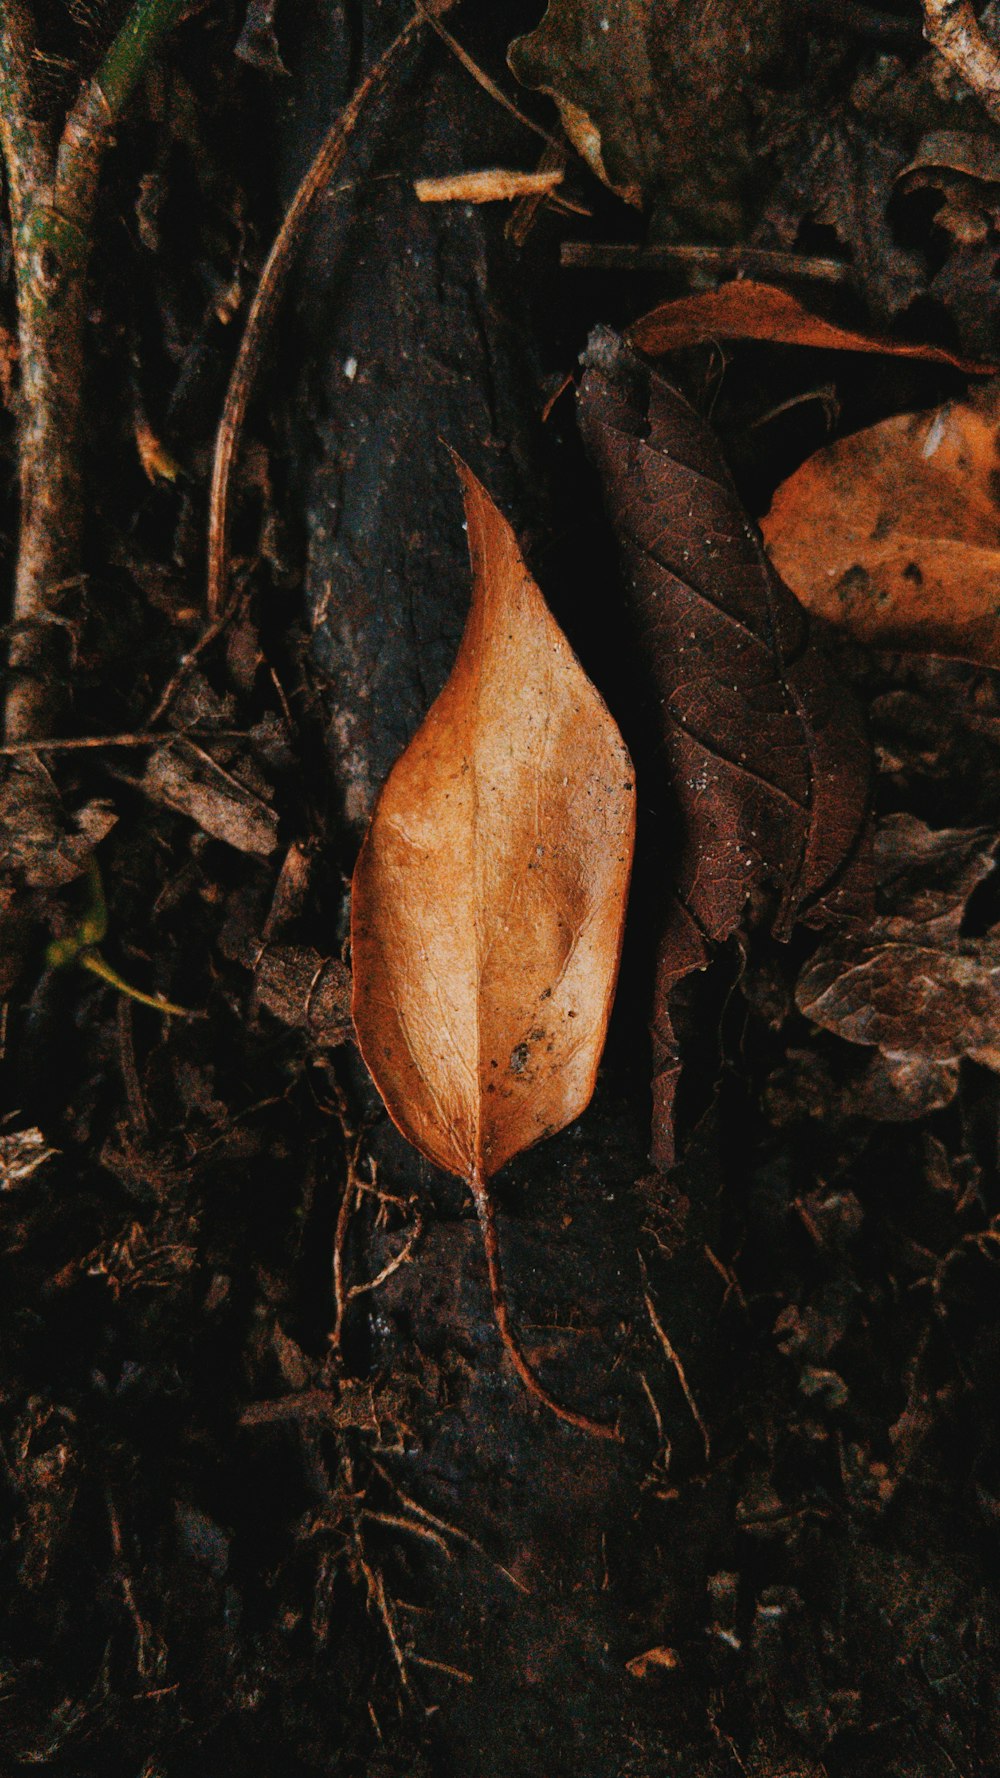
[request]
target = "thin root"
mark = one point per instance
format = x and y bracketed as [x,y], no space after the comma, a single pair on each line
[661,1335]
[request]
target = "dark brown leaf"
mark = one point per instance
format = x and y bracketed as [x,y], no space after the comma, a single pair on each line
[301,988]
[845,182]
[906,999]
[224,807]
[764,751]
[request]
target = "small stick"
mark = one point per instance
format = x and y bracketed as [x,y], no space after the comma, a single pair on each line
[148,738]
[885,28]
[442,1667]
[398,1523]
[52,186]
[483,1200]
[392,1265]
[951,27]
[265,302]
[487,185]
[766,262]
[480,76]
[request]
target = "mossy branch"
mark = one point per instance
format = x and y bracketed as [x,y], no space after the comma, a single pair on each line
[52,181]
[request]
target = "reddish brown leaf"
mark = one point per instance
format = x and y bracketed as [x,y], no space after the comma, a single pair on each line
[489,895]
[746,310]
[763,749]
[892,533]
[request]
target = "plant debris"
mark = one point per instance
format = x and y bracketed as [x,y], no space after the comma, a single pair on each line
[272,1495]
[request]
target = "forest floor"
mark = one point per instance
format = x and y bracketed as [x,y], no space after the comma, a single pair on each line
[270,1493]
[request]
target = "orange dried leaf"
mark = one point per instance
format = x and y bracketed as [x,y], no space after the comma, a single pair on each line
[748,310]
[489,895]
[893,532]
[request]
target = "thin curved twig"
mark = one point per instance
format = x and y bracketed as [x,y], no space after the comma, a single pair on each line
[265,302]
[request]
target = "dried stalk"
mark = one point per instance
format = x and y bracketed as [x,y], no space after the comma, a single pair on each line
[52,183]
[951,27]
[265,303]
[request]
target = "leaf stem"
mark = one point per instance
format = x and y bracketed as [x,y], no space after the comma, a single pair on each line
[483,1200]
[99,966]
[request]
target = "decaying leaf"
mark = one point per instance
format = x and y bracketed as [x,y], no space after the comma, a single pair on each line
[660,101]
[747,310]
[893,534]
[960,169]
[223,804]
[913,988]
[22,1153]
[763,750]
[843,179]
[301,988]
[42,844]
[489,895]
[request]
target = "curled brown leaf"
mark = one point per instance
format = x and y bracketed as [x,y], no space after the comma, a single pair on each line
[747,310]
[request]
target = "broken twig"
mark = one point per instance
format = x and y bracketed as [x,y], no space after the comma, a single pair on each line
[951,27]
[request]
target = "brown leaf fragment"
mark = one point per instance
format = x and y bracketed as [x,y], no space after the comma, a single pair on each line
[661,1659]
[42,844]
[914,989]
[906,998]
[489,894]
[301,988]
[925,875]
[662,102]
[22,1153]
[892,533]
[764,752]
[488,185]
[748,310]
[213,797]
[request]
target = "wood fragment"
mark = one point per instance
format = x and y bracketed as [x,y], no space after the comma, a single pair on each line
[488,185]
[766,262]
[951,27]
[442,1667]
